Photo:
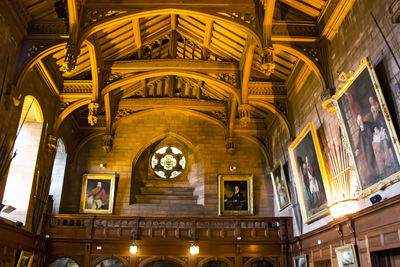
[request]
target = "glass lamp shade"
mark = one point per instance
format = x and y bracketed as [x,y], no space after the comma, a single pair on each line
[194,249]
[133,248]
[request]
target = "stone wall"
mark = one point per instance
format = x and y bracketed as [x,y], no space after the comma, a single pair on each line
[357,38]
[208,144]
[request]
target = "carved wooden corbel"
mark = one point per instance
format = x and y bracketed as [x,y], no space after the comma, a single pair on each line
[268,64]
[230,145]
[93,109]
[107,142]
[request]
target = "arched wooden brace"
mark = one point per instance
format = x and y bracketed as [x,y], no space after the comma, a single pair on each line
[168,11]
[282,117]
[190,74]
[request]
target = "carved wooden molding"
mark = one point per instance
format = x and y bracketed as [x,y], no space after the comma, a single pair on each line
[394,10]
[175,64]
[294,31]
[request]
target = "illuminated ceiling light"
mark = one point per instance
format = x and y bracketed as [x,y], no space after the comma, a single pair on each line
[194,249]
[133,248]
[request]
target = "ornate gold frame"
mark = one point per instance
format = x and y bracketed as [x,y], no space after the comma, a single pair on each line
[86,177]
[28,254]
[339,250]
[309,128]
[221,193]
[279,165]
[299,257]
[366,63]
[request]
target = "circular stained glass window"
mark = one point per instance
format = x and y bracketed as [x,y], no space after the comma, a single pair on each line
[168,162]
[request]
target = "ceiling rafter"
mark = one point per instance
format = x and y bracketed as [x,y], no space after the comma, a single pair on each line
[207,37]
[302,7]
[245,67]
[96,66]
[48,77]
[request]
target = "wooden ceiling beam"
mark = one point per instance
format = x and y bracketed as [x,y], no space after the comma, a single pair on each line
[245,65]
[136,32]
[318,4]
[47,78]
[336,17]
[96,66]
[73,19]
[207,37]
[302,7]
[174,64]
[269,8]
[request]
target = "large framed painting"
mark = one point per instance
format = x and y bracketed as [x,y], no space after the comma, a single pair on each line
[346,256]
[310,174]
[300,261]
[25,259]
[97,194]
[281,190]
[368,129]
[235,195]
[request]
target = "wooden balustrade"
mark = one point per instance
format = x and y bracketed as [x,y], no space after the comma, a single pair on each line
[78,226]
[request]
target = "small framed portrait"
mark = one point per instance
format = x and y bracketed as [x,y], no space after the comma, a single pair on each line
[235,195]
[97,194]
[281,190]
[309,174]
[300,261]
[346,256]
[368,129]
[25,259]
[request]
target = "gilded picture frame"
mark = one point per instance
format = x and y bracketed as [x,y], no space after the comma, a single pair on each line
[281,189]
[300,261]
[310,174]
[346,256]
[25,259]
[235,195]
[368,130]
[97,195]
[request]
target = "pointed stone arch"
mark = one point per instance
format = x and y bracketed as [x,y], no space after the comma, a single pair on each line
[184,110]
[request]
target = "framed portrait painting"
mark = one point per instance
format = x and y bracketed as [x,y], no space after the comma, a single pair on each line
[235,195]
[368,129]
[25,259]
[97,194]
[300,261]
[281,190]
[346,256]
[309,174]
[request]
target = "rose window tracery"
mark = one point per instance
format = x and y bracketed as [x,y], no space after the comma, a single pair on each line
[168,162]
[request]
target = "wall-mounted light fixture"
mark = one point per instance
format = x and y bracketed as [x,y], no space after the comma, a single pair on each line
[344,186]
[194,249]
[133,247]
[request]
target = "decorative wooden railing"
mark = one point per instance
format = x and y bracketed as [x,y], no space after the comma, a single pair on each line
[111,227]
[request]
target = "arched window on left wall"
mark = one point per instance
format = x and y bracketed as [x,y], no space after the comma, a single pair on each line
[22,168]
[57,176]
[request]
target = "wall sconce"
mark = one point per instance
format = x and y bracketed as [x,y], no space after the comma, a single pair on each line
[194,249]
[343,199]
[133,248]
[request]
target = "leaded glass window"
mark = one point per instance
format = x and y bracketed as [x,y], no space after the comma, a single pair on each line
[168,162]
